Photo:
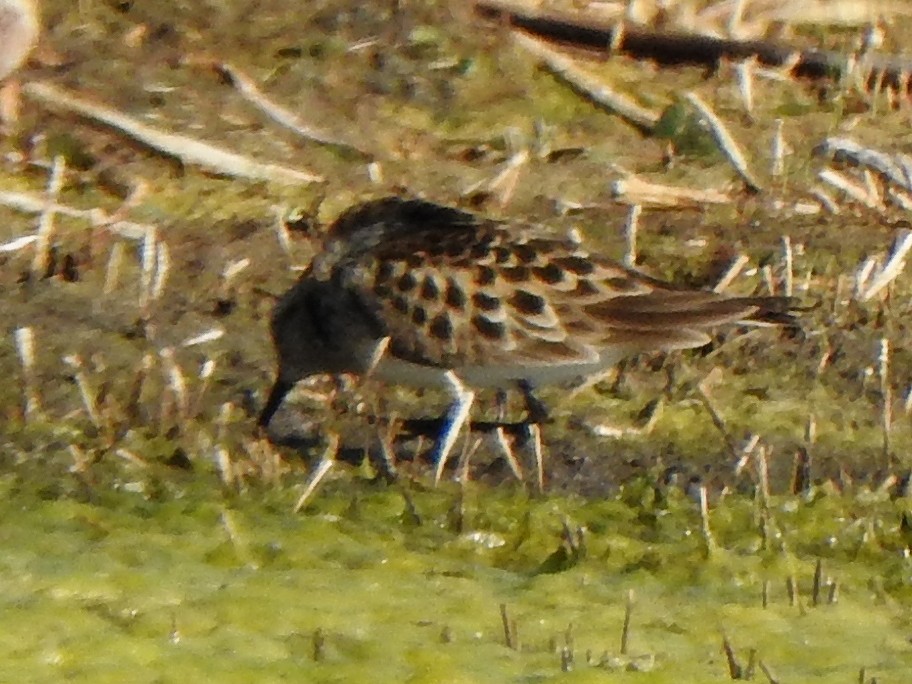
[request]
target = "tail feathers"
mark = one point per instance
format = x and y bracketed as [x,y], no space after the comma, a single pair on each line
[673,310]
[773,310]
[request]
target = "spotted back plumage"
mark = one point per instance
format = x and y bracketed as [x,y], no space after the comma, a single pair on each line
[451,289]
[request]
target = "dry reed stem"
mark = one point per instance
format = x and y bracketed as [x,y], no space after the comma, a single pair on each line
[746,451]
[25,347]
[509,628]
[210,335]
[205,377]
[538,456]
[46,217]
[225,466]
[35,204]
[85,391]
[323,467]
[771,678]
[281,228]
[189,151]
[226,412]
[132,458]
[503,184]
[733,271]
[375,172]
[818,583]
[777,164]
[886,394]
[177,384]
[708,540]
[851,188]
[147,268]
[598,92]
[112,270]
[631,225]
[788,258]
[896,168]
[162,269]
[894,266]
[735,670]
[283,116]
[469,449]
[715,416]
[506,448]
[744,73]
[724,140]
[634,190]
[18,243]
[826,200]
[628,615]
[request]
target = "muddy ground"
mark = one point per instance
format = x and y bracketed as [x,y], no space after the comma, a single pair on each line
[437,101]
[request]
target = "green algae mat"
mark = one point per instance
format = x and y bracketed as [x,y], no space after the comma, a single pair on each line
[195,587]
[741,511]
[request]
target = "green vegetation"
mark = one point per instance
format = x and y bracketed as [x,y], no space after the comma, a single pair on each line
[191,585]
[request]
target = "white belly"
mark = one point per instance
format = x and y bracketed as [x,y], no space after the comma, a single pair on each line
[499,377]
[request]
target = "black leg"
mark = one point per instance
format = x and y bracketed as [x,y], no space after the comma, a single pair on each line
[276,395]
[536,411]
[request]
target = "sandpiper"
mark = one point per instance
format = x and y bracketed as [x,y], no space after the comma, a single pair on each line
[415,293]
